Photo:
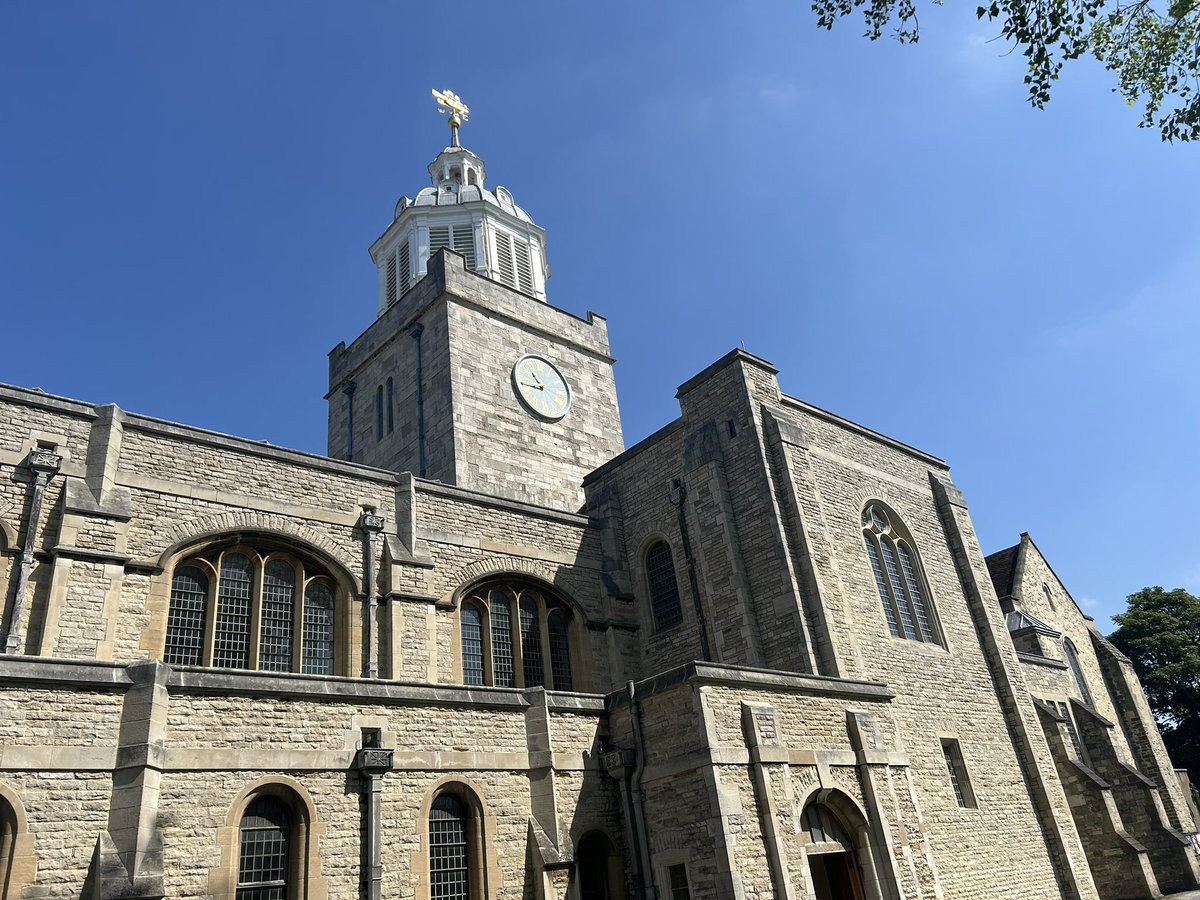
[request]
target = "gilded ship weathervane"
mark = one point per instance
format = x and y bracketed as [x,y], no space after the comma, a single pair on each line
[450,102]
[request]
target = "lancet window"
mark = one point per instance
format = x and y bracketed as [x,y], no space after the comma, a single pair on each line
[664,588]
[898,577]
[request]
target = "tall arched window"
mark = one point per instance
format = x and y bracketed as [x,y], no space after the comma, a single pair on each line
[898,577]
[264,850]
[449,853]
[664,589]
[505,633]
[1073,661]
[379,413]
[239,607]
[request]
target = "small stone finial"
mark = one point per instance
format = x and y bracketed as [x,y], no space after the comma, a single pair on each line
[449,102]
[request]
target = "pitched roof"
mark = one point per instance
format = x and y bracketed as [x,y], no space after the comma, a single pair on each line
[1002,566]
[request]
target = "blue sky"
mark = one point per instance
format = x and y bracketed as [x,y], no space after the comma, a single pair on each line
[187,192]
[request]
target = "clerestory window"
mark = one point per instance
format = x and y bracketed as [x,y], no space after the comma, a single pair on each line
[516,636]
[898,577]
[252,607]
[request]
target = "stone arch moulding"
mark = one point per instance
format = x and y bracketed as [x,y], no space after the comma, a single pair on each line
[544,574]
[8,534]
[879,881]
[20,867]
[467,789]
[184,539]
[312,885]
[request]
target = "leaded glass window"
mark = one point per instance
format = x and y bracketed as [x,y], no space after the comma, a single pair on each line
[449,867]
[560,652]
[502,643]
[185,620]
[898,578]
[471,624]
[957,769]
[523,627]
[232,642]
[317,655]
[278,613]
[664,589]
[265,838]
[264,604]
[531,642]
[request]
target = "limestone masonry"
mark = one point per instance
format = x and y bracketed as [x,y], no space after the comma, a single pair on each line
[483,651]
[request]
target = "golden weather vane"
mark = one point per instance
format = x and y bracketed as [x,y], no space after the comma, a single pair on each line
[450,102]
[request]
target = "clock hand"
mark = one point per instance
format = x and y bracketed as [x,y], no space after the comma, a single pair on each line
[539,386]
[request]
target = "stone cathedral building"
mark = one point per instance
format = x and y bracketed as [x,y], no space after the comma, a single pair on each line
[484,651]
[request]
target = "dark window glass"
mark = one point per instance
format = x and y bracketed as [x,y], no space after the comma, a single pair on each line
[379,412]
[230,647]
[449,873]
[677,876]
[391,406]
[889,611]
[278,615]
[664,589]
[502,643]
[185,621]
[531,643]
[958,773]
[264,850]
[317,657]
[471,624]
[560,652]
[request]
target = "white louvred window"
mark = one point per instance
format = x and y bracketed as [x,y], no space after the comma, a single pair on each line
[391,279]
[464,242]
[524,269]
[405,267]
[504,257]
[439,237]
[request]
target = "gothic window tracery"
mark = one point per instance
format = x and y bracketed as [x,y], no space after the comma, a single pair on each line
[252,607]
[898,577]
[508,631]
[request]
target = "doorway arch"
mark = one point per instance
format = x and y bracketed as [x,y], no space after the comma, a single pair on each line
[599,868]
[833,853]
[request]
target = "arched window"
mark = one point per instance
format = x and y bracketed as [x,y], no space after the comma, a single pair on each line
[265,838]
[505,632]
[379,412]
[896,567]
[664,589]
[239,608]
[449,853]
[1073,661]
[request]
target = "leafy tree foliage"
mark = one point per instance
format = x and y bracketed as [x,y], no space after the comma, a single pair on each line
[1160,633]
[1153,46]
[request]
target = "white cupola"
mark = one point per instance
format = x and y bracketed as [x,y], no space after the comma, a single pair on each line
[495,236]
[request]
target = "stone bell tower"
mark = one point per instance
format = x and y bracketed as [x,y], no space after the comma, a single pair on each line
[468,375]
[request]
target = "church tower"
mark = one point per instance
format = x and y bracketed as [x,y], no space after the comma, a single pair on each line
[468,375]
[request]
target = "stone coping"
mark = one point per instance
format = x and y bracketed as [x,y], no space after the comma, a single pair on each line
[864,431]
[1034,659]
[98,675]
[466,495]
[629,452]
[702,673]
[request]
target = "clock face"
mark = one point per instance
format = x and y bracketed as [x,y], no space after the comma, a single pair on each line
[541,387]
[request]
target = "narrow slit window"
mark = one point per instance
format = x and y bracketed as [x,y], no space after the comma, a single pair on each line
[957,770]
[1077,671]
[379,413]
[391,405]
[664,588]
[678,882]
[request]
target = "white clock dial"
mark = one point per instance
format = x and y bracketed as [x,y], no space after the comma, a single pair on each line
[541,387]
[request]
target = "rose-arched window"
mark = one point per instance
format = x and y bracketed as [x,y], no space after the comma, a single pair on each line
[897,569]
[253,607]
[516,636]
